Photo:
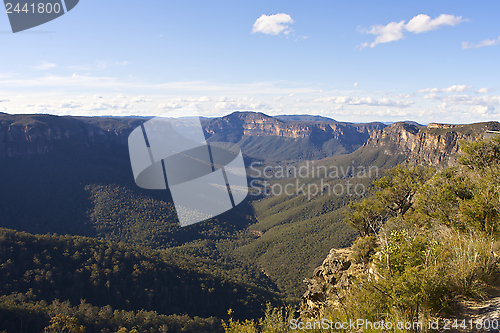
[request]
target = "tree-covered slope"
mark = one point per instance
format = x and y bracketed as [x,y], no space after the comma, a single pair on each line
[296,232]
[48,267]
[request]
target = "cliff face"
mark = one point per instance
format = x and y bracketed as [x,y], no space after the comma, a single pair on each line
[27,135]
[436,144]
[238,124]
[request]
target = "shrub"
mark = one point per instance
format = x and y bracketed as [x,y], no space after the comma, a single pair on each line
[363,248]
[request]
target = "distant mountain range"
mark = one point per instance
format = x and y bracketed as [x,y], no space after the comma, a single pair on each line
[259,135]
[295,137]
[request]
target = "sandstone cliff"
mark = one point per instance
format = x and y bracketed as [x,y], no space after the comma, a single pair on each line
[238,124]
[28,135]
[436,144]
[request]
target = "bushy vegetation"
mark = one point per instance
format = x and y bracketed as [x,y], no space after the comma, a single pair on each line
[427,240]
[275,320]
[363,248]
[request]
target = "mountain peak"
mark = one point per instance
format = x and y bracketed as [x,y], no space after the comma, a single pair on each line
[249,115]
[304,117]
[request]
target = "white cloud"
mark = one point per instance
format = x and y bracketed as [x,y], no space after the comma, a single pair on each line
[170,105]
[278,99]
[140,99]
[423,23]
[488,100]
[386,33]
[100,64]
[482,110]
[349,100]
[70,105]
[356,84]
[4,100]
[390,112]
[456,88]
[273,24]
[484,90]
[428,90]
[44,65]
[486,42]
[241,104]
[258,106]
[204,99]
[362,45]
[403,96]
[106,106]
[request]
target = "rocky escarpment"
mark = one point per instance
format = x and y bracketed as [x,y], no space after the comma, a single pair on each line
[436,144]
[28,135]
[238,124]
[327,287]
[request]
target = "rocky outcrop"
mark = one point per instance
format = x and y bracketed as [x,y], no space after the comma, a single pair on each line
[436,144]
[329,282]
[23,136]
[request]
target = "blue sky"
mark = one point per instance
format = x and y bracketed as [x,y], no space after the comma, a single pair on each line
[350,60]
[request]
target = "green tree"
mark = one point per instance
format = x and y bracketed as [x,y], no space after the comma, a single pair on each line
[439,198]
[124,330]
[64,324]
[397,191]
[481,163]
[366,217]
[482,155]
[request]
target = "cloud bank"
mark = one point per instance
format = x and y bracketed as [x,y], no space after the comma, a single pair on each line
[421,23]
